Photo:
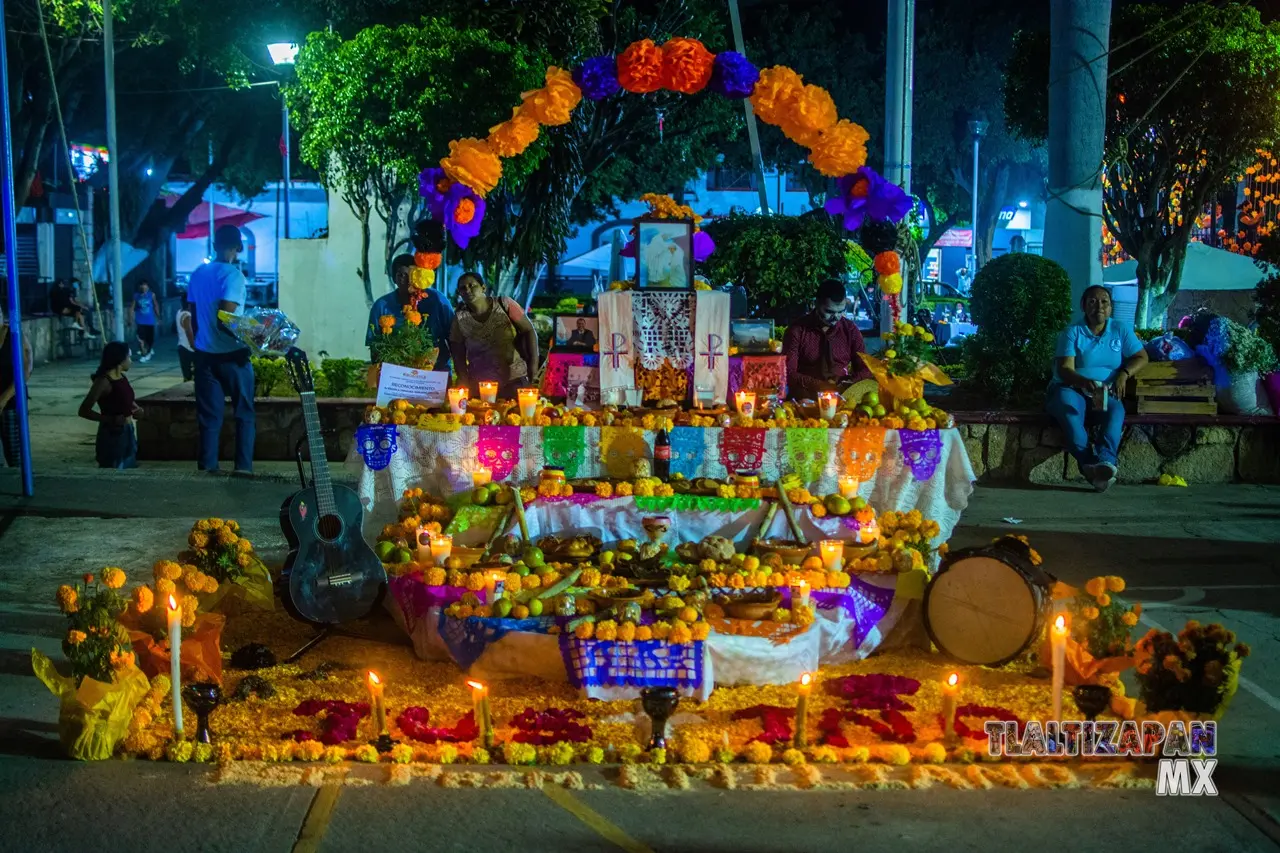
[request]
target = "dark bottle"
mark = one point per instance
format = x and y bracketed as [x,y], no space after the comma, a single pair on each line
[662,455]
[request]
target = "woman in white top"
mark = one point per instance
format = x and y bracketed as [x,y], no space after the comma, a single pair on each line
[186,347]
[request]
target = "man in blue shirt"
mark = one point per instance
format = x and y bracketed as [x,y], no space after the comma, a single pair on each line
[435,311]
[1094,360]
[223,370]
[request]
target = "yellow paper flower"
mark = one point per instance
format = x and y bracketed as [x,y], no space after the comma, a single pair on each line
[472,162]
[812,111]
[514,135]
[840,149]
[554,103]
[774,94]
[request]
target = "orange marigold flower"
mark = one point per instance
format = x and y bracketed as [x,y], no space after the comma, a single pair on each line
[472,162]
[686,65]
[775,93]
[840,149]
[427,260]
[143,599]
[68,599]
[812,111]
[113,577]
[514,135]
[75,638]
[640,67]
[887,263]
[386,323]
[554,103]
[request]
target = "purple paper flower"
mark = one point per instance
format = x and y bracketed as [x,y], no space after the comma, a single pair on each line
[434,186]
[597,77]
[733,75]
[454,206]
[866,195]
[703,246]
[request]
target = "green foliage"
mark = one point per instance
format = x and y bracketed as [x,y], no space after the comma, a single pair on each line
[406,344]
[1020,304]
[270,378]
[342,377]
[1145,335]
[1267,313]
[1190,97]
[778,259]
[104,637]
[1189,672]
[1240,350]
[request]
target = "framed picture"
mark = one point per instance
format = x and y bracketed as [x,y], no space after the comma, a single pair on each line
[577,333]
[751,335]
[664,254]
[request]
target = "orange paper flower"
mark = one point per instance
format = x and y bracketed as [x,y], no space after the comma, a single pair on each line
[774,94]
[473,163]
[427,260]
[686,65]
[514,135]
[555,102]
[640,67]
[465,211]
[887,263]
[812,111]
[840,150]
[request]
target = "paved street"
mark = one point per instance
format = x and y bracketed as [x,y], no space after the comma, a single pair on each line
[1206,553]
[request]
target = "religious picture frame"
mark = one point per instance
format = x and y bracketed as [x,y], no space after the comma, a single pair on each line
[577,333]
[664,254]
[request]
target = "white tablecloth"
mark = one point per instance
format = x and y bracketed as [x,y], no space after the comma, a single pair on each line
[441,463]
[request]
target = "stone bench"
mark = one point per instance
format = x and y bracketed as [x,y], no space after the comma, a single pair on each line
[1026,447]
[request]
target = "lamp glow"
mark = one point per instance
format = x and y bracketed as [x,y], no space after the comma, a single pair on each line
[283,53]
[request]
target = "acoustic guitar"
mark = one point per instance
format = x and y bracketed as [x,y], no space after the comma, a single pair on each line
[331,574]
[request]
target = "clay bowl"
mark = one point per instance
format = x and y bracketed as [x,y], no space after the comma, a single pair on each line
[753,607]
[791,552]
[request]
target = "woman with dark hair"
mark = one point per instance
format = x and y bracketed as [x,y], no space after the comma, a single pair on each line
[1094,361]
[117,443]
[492,340]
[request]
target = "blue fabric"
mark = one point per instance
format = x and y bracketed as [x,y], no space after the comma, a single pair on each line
[436,314]
[217,379]
[144,309]
[211,284]
[466,639]
[1070,409]
[641,663]
[687,450]
[1097,358]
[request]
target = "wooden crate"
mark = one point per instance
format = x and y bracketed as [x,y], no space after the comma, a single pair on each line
[1176,388]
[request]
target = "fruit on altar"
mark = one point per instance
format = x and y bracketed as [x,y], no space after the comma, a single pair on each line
[385,549]
[519,611]
[716,548]
[838,505]
[651,550]
[535,607]
[627,546]
[401,556]
[480,496]
[502,608]
[533,557]
[812,564]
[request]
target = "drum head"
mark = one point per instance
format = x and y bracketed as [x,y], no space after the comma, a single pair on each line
[980,611]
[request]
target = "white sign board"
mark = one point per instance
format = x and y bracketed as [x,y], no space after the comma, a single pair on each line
[423,387]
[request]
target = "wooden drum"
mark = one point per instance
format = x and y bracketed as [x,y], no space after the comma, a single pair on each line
[986,605]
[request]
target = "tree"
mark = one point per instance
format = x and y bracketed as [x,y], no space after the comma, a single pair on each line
[377,109]
[1190,96]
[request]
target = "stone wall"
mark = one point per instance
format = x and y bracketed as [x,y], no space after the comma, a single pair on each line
[1031,452]
[169,430]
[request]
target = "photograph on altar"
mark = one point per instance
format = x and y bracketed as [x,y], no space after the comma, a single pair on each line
[664,256]
[578,333]
[751,335]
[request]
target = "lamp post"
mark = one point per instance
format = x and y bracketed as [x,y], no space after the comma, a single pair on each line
[978,129]
[284,53]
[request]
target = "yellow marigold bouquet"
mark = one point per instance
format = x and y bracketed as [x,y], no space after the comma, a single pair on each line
[906,541]
[1197,671]
[1102,622]
[218,549]
[96,644]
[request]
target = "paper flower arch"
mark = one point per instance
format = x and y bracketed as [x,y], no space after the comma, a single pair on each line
[804,112]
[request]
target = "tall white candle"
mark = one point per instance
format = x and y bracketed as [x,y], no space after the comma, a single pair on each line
[1058,637]
[175,662]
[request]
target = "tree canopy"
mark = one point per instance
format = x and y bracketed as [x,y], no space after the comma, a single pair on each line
[1191,96]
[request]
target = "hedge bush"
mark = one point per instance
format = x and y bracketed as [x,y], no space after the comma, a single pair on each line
[1020,304]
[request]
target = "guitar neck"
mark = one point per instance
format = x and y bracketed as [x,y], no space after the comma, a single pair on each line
[319,458]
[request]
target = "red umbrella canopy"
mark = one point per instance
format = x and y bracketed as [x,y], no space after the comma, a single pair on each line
[198,219]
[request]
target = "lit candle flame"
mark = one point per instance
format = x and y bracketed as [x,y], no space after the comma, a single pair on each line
[805,678]
[953,679]
[373,678]
[173,603]
[475,685]
[1060,623]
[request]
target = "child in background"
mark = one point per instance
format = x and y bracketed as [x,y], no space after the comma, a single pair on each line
[117,443]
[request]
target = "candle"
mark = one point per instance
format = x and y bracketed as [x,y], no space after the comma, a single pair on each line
[458,400]
[423,544]
[848,486]
[375,700]
[175,662]
[950,697]
[441,548]
[747,404]
[495,583]
[481,477]
[832,551]
[528,402]
[800,738]
[828,402]
[480,708]
[489,392]
[1058,637]
[800,593]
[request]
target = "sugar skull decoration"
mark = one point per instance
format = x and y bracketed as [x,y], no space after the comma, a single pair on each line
[377,443]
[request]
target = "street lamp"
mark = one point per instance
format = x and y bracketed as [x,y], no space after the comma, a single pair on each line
[284,53]
[978,129]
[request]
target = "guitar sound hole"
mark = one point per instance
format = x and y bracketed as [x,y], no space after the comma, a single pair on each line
[329,526]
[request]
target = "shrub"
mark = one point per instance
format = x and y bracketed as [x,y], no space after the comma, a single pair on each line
[341,377]
[1020,304]
[269,376]
[778,259]
[1267,313]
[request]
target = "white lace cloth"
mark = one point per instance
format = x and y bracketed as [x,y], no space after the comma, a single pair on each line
[664,328]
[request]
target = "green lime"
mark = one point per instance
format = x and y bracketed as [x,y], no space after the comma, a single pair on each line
[534,557]
[480,496]
[535,607]
[502,608]
[402,555]
[385,549]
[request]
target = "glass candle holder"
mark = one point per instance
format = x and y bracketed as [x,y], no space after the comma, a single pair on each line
[747,404]
[800,593]
[528,398]
[441,548]
[489,392]
[457,400]
[828,403]
[848,486]
[481,477]
[832,551]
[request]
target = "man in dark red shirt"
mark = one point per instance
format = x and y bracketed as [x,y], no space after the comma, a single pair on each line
[822,347]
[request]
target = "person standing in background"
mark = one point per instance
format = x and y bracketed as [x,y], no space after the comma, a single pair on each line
[144,314]
[9,428]
[433,307]
[822,347]
[223,369]
[186,343]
